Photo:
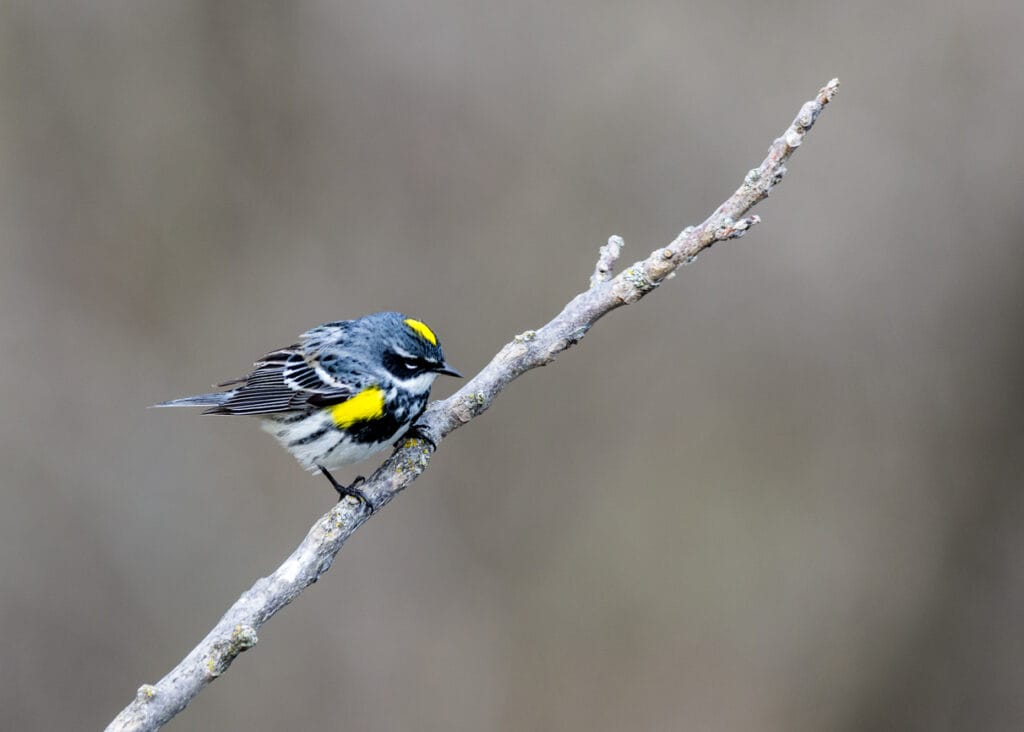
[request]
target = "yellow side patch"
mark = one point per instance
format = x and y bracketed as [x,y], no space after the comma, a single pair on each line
[367,404]
[422,330]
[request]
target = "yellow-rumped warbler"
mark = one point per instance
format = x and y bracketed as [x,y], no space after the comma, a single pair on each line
[346,390]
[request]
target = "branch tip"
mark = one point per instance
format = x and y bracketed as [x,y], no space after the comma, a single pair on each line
[828,92]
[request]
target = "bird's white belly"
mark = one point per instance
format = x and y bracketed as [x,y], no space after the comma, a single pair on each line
[348,452]
[332,449]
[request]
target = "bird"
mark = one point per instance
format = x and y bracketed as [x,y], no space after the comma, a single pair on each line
[346,390]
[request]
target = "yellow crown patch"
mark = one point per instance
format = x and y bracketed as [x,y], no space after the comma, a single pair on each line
[422,330]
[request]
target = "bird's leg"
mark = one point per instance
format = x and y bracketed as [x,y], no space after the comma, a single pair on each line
[352,489]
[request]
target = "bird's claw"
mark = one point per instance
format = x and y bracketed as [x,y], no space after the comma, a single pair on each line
[352,489]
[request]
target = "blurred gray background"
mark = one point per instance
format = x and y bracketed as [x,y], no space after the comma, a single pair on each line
[782,493]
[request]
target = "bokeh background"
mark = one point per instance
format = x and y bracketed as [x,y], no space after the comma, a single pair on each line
[782,493]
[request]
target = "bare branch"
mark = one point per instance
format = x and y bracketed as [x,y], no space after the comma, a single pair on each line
[156,704]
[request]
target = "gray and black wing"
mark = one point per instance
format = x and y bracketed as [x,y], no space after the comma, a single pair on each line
[286,380]
[306,375]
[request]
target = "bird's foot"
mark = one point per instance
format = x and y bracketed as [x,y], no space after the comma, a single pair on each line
[352,489]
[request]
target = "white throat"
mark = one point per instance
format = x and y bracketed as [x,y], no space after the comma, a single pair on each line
[417,384]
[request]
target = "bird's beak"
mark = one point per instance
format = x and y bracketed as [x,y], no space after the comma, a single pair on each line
[448,370]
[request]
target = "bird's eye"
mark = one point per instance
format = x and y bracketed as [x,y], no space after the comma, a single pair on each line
[410,365]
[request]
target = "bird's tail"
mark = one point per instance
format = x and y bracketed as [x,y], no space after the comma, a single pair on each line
[199,400]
